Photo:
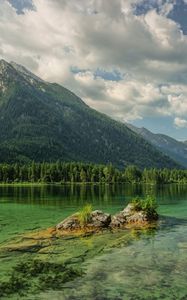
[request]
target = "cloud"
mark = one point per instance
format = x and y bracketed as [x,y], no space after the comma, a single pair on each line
[180,123]
[22,5]
[126,65]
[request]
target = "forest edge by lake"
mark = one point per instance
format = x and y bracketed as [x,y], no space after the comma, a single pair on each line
[61,172]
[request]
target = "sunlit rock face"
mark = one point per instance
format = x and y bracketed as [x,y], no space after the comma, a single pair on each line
[130,216]
[70,223]
[97,219]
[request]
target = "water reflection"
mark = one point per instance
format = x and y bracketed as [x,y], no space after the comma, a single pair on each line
[79,194]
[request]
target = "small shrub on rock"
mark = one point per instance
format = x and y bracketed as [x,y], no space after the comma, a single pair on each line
[148,205]
[85,214]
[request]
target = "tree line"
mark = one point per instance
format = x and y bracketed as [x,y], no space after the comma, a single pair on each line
[63,172]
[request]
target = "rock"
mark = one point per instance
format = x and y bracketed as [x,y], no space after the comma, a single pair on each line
[128,210]
[31,246]
[70,223]
[99,219]
[118,220]
[129,216]
[137,217]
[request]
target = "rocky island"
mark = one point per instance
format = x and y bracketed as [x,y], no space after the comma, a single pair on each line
[56,256]
[137,213]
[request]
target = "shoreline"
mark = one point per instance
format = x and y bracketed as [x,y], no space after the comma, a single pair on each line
[40,184]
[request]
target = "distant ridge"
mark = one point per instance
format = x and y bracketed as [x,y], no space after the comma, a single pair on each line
[169,146]
[44,121]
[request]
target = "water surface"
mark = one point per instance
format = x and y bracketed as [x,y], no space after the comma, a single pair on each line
[152,266]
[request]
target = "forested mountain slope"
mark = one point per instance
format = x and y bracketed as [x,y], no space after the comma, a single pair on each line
[169,146]
[44,121]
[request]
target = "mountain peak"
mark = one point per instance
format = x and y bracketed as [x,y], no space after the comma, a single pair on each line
[14,73]
[4,65]
[3,62]
[41,121]
[24,71]
[7,75]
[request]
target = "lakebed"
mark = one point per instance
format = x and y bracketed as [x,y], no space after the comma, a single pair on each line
[125,264]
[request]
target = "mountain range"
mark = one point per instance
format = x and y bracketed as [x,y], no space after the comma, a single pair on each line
[44,121]
[175,149]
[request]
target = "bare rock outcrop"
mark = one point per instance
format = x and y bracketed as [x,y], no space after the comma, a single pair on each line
[97,219]
[130,216]
[70,223]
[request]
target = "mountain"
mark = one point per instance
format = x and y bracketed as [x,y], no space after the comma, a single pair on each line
[44,121]
[169,146]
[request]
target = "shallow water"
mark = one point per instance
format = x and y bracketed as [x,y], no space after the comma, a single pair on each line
[151,266]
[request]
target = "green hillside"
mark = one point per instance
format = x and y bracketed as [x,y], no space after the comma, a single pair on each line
[177,150]
[42,121]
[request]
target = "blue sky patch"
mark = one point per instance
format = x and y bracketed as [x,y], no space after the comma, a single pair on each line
[20,5]
[114,75]
[177,14]
[162,125]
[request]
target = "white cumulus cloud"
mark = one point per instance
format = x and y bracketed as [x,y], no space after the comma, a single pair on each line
[150,52]
[181,123]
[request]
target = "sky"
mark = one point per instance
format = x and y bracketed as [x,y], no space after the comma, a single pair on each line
[125,58]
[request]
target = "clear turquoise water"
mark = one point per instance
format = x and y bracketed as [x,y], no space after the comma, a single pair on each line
[150,267]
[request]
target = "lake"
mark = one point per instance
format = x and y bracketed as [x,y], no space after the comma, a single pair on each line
[151,265]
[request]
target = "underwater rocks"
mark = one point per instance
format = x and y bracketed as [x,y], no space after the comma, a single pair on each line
[34,276]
